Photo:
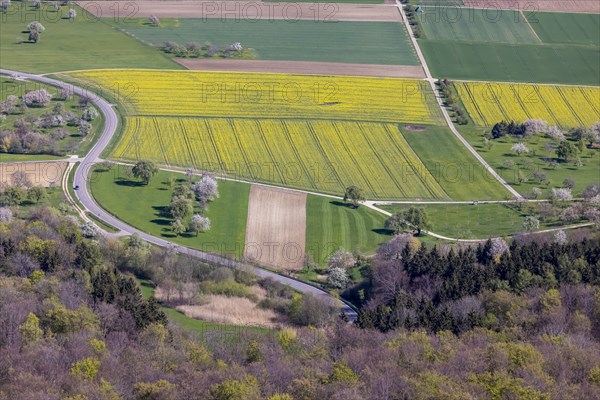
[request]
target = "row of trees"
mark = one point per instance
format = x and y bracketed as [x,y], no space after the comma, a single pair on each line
[446,88]
[194,50]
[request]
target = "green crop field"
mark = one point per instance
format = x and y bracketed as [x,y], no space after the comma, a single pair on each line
[567,28]
[332,224]
[144,207]
[453,167]
[509,62]
[341,41]
[548,48]
[449,23]
[65,45]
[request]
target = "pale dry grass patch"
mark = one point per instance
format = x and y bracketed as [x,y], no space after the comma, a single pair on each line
[233,310]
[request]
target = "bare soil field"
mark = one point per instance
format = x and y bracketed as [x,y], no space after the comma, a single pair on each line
[244,10]
[303,67]
[39,173]
[276,228]
[530,6]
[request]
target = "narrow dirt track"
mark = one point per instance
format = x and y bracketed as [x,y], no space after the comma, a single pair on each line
[276,228]
[303,68]
[243,10]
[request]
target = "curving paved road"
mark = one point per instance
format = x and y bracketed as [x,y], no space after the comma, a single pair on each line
[84,196]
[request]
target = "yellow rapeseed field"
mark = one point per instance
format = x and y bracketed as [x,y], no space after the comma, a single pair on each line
[564,106]
[318,133]
[318,155]
[224,94]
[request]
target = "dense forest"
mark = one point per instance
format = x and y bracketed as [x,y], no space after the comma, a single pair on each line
[502,320]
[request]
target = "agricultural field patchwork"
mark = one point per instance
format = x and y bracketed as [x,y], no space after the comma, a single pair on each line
[480,44]
[564,106]
[333,133]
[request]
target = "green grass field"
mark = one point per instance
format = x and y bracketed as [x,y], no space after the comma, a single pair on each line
[455,169]
[549,48]
[466,221]
[342,41]
[144,207]
[68,45]
[332,224]
[567,28]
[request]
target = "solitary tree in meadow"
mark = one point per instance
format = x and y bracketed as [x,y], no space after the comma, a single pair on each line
[154,21]
[417,217]
[565,151]
[144,170]
[355,195]
[520,148]
[35,26]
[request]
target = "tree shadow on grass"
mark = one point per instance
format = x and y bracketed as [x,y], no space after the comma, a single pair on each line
[161,221]
[383,231]
[342,204]
[162,211]
[127,182]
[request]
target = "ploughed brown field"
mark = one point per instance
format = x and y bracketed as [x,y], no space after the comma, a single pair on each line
[244,10]
[303,67]
[39,173]
[528,6]
[276,228]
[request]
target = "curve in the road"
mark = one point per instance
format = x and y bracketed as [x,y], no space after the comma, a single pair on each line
[83,194]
